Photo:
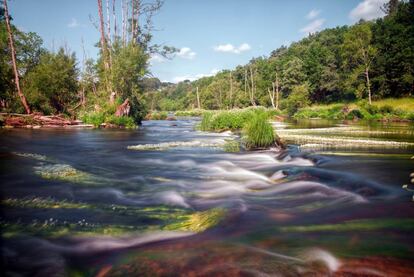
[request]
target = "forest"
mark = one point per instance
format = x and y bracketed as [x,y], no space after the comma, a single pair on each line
[368,61]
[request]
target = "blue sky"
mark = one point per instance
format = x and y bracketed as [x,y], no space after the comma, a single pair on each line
[211,34]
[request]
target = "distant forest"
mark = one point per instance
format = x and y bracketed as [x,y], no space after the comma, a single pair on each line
[369,60]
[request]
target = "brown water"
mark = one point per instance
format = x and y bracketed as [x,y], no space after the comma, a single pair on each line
[307,211]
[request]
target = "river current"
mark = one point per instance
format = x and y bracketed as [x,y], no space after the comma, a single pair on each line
[86,203]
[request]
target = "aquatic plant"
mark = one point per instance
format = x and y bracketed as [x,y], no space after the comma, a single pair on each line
[199,221]
[173,144]
[62,172]
[232,146]
[258,132]
[31,156]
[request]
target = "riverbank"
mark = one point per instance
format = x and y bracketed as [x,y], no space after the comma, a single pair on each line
[392,110]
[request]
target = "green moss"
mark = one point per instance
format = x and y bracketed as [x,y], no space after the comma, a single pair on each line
[63,172]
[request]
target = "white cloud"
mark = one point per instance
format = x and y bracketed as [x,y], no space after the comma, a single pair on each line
[230,48]
[157,58]
[186,53]
[367,9]
[313,14]
[314,26]
[73,23]
[178,79]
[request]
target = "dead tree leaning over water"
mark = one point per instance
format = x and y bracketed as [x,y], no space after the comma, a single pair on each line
[13,56]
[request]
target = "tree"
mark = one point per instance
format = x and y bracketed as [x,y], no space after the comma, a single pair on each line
[13,56]
[360,53]
[53,84]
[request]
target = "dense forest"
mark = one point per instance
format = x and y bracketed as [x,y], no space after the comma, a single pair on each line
[369,60]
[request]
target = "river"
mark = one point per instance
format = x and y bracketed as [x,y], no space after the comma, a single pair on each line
[86,203]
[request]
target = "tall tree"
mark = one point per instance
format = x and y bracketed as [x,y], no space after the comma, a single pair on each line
[360,53]
[13,56]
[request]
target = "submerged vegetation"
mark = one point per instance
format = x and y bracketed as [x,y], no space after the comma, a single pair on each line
[150,218]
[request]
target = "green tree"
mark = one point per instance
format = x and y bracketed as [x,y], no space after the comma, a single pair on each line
[52,85]
[359,53]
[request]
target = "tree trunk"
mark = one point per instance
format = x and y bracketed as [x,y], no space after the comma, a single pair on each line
[368,85]
[104,46]
[277,92]
[198,99]
[271,96]
[114,18]
[252,90]
[231,90]
[13,56]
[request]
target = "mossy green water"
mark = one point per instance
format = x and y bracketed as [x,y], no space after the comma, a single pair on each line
[166,218]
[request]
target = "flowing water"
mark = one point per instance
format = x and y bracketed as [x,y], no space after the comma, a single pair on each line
[166,200]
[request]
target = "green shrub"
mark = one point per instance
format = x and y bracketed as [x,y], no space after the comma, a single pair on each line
[95,118]
[386,109]
[258,132]
[124,121]
[354,114]
[299,98]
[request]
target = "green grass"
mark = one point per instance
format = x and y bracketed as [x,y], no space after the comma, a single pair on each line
[195,112]
[99,118]
[386,109]
[258,132]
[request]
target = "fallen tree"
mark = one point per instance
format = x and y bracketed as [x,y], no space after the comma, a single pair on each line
[38,120]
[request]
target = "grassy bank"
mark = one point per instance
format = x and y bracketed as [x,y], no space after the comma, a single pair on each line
[386,109]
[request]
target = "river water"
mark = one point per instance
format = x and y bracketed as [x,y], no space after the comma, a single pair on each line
[81,203]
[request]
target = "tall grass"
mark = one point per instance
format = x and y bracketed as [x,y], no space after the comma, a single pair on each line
[258,132]
[386,109]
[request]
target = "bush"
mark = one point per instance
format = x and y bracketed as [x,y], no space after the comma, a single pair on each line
[225,120]
[386,109]
[258,132]
[354,114]
[299,98]
[124,121]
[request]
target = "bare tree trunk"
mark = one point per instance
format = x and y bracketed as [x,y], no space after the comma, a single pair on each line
[114,18]
[108,23]
[277,92]
[253,89]
[198,99]
[368,85]
[245,82]
[271,97]
[13,56]
[231,90]
[104,46]
[123,21]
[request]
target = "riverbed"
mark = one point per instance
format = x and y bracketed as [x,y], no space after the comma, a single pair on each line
[168,200]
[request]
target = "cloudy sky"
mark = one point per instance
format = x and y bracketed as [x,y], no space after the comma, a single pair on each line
[211,35]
